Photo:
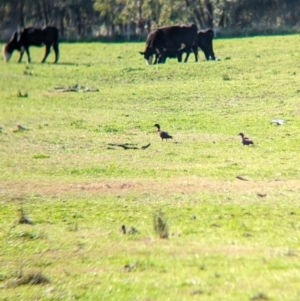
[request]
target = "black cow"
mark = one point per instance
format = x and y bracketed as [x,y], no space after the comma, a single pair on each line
[174,53]
[174,38]
[32,36]
[204,42]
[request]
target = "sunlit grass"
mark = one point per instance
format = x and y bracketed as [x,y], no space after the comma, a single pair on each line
[228,239]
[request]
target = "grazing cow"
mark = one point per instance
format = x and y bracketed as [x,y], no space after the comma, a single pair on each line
[204,42]
[171,38]
[32,36]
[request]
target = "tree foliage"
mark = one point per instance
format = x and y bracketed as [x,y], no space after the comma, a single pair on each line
[88,18]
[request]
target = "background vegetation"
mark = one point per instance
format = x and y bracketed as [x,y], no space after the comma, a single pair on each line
[134,19]
[67,187]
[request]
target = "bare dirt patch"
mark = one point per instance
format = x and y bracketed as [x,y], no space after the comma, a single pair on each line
[182,185]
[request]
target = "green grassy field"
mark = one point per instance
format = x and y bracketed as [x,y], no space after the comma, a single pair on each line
[229,239]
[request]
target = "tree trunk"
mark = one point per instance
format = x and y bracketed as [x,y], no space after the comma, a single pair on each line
[45,12]
[78,21]
[61,21]
[128,31]
[112,28]
[210,15]
[21,16]
[196,13]
[140,21]
[222,20]
[237,13]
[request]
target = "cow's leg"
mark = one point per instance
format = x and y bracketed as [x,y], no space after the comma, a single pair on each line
[206,53]
[22,50]
[56,51]
[162,59]
[187,57]
[212,55]
[196,56]
[28,54]
[21,55]
[46,53]
[179,56]
[195,50]
[161,56]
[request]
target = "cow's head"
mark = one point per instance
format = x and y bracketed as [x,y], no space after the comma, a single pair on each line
[11,46]
[7,52]
[148,55]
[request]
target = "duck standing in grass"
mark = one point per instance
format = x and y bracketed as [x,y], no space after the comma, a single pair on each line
[246,140]
[162,135]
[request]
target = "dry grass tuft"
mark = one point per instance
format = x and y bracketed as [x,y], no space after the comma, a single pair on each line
[259,296]
[29,279]
[161,227]
[23,218]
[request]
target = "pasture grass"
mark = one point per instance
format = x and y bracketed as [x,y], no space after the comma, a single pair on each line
[228,239]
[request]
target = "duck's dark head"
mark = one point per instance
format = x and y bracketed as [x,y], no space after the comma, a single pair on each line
[157,125]
[241,134]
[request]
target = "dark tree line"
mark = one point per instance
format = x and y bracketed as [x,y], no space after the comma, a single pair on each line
[133,19]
